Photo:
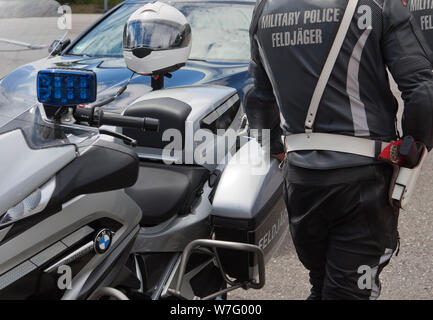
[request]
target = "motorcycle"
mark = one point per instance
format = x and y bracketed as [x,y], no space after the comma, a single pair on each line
[93,207]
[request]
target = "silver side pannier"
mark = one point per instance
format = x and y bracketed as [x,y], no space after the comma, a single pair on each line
[249,207]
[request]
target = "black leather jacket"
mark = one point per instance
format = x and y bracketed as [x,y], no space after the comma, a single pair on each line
[290,41]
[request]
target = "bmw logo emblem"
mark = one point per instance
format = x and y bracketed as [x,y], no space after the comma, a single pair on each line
[103,241]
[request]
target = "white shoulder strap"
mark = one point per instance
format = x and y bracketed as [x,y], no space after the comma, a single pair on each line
[329,64]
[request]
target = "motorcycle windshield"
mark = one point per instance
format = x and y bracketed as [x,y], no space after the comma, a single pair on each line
[39,133]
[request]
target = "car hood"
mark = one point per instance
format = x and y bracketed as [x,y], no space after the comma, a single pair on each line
[112,74]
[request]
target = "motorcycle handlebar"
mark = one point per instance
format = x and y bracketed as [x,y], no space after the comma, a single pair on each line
[99,118]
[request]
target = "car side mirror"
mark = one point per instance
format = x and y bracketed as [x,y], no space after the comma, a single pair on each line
[58,46]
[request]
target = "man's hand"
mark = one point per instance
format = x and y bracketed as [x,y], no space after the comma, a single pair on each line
[280,157]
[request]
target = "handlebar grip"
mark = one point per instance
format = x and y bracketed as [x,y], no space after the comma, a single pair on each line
[151,124]
[113,119]
[120,121]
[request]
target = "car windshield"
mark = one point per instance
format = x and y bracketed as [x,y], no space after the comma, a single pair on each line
[219,32]
[16,114]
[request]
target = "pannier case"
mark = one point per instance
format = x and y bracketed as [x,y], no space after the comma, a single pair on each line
[249,207]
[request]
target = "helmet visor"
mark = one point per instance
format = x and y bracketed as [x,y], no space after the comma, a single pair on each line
[156,35]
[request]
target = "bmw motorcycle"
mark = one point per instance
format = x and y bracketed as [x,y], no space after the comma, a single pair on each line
[92,207]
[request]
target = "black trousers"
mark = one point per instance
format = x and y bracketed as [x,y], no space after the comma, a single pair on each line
[343,228]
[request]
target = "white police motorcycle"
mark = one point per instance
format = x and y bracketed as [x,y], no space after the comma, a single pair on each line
[92,206]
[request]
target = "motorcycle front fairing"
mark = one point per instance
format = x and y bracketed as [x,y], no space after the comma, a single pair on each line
[60,190]
[32,148]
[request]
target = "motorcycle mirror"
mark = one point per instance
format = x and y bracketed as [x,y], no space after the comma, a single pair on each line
[58,46]
[66,87]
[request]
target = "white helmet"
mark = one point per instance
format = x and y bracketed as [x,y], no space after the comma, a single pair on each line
[156,39]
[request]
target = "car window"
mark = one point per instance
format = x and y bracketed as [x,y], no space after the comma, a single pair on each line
[219,31]
[106,38]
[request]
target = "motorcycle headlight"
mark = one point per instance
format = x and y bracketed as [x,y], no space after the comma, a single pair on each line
[33,204]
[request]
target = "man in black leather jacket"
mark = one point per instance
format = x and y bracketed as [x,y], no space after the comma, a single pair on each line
[342,224]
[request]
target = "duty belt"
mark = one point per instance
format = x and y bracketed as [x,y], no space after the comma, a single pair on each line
[334,142]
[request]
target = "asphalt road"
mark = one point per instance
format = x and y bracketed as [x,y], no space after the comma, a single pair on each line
[408,276]
[37,31]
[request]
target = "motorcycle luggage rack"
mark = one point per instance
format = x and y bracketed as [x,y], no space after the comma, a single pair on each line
[233,285]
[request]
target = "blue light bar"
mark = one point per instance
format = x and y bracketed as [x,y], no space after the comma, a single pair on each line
[66,87]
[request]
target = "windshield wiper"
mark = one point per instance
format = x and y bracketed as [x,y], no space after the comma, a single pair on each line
[197,59]
[77,55]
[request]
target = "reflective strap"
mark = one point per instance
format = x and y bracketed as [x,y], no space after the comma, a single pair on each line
[334,142]
[376,287]
[329,64]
